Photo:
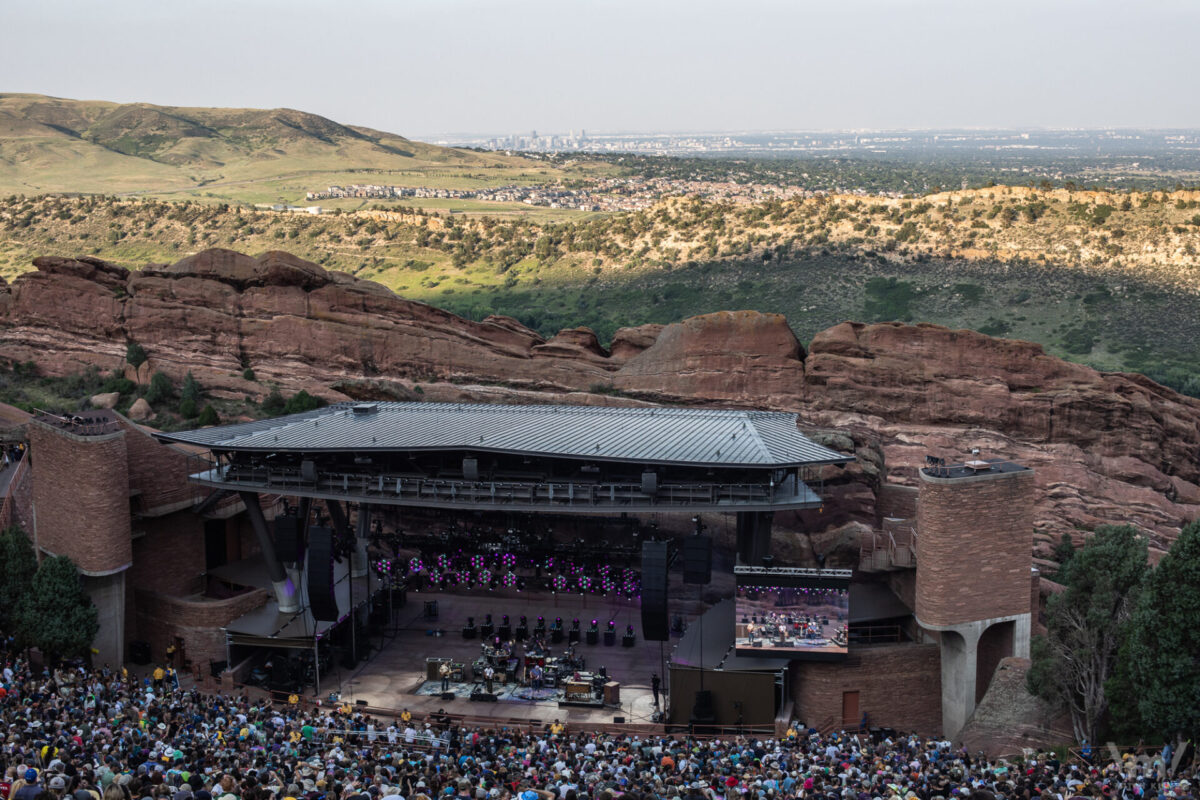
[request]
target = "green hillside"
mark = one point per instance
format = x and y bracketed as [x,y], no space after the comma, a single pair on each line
[50,144]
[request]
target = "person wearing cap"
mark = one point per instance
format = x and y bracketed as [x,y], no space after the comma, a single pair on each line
[31,789]
[57,785]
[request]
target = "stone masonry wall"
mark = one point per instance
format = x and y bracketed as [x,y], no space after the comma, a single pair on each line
[169,555]
[160,618]
[158,471]
[974,546]
[899,687]
[81,497]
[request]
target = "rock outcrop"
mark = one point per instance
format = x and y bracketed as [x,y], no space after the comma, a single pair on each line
[1106,447]
[1009,719]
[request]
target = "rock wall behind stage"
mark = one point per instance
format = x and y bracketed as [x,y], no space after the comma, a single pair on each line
[1106,447]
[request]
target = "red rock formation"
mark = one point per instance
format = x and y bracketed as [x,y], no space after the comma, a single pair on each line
[1106,447]
[733,357]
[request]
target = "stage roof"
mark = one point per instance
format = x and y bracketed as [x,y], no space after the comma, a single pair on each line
[702,437]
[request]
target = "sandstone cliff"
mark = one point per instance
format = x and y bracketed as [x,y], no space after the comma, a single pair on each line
[1105,447]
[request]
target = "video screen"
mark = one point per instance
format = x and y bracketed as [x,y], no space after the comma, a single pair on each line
[789,616]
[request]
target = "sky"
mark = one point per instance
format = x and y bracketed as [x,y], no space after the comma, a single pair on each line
[422,68]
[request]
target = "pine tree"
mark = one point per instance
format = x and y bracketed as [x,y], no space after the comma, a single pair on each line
[18,563]
[1163,645]
[208,417]
[57,616]
[189,397]
[161,389]
[135,354]
[1084,626]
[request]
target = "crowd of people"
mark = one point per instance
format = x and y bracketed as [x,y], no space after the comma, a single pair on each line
[75,733]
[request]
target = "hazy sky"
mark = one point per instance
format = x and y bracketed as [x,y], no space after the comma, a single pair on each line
[421,67]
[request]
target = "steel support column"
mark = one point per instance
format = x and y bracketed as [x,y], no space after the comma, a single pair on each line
[285,591]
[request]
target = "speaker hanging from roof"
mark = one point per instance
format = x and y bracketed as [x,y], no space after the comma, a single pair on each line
[322,600]
[288,544]
[655,625]
[697,559]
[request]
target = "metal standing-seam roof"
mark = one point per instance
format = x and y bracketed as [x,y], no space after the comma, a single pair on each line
[643,435]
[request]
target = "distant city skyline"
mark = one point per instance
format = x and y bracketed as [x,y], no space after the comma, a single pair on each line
[433,68]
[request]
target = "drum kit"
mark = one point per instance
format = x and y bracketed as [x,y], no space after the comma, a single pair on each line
[502,656]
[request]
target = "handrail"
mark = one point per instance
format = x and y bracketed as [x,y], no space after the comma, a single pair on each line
[6,510]
[495,723]
[500,493]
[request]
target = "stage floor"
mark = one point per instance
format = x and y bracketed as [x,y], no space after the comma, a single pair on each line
[393,676]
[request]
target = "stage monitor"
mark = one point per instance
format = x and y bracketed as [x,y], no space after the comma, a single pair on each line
[792,613]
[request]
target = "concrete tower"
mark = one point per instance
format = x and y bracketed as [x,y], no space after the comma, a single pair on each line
[974,553]
[81,510]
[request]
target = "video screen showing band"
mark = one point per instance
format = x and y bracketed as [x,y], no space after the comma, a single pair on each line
[788,616]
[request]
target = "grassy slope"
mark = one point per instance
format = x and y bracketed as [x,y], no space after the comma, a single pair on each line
[235,155]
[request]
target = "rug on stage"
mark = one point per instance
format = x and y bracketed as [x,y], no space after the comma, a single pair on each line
[511,693]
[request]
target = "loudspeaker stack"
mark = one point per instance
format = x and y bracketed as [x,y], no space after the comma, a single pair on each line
[655,626]
[288,545]
[321,598]
[697,559]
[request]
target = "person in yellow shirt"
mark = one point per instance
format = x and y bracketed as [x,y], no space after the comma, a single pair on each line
[159,674]
[406,716]
[557,728]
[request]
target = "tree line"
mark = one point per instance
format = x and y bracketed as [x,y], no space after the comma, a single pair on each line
[1121,651]
[44,605]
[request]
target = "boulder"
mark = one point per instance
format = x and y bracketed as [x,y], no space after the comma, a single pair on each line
[105,400]
[140,411]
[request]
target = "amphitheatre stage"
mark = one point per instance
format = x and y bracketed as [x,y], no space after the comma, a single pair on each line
[401,508]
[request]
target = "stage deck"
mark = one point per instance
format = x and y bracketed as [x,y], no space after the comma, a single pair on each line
[391,677]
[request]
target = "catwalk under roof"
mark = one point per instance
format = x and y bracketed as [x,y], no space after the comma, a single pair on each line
[704,437]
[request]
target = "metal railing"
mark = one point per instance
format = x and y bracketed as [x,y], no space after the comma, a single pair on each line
[7,510]
[876,634]
[531,724]
[888,549]
[551,494]
[79,425]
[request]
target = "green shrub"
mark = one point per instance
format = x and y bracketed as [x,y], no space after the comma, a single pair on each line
[135,355]
[889,299]
[302,401]
[273,404]
[161,389]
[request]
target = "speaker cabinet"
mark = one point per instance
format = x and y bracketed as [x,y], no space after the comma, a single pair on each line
[322,600]
[655,625]
[288,546]
[697,559]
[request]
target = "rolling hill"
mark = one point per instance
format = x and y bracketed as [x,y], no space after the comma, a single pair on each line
[50,145]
